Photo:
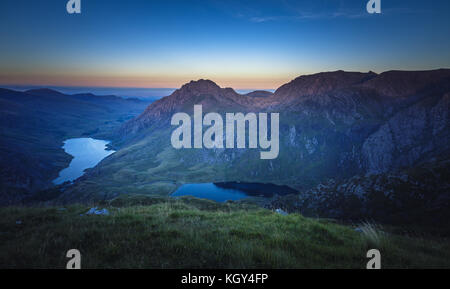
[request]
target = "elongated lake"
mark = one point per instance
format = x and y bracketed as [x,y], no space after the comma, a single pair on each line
[222,192]
[86,152]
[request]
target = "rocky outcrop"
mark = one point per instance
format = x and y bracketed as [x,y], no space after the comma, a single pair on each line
[418,195]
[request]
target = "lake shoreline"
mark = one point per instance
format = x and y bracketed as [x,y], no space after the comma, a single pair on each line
[86,153]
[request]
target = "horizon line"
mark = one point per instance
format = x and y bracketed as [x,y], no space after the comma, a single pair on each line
[100,86]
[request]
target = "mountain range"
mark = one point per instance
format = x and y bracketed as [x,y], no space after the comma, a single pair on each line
[334,127]
[374,133]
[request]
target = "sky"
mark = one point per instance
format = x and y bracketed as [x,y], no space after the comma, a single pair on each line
[240,44]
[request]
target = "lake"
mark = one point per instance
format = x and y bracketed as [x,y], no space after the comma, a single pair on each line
[222,192]
[86,152]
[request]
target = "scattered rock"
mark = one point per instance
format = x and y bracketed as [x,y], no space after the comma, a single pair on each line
[96,211]
[281,212]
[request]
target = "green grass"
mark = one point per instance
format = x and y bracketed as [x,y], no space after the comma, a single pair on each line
[143,232]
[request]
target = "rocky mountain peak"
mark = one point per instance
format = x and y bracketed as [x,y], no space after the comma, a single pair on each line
[202,86]
[204,92]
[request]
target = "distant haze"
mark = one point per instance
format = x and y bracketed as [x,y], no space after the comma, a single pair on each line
[125,92]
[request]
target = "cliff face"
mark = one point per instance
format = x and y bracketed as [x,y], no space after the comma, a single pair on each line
[418,132]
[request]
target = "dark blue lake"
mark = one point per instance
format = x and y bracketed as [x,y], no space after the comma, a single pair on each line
[222,192]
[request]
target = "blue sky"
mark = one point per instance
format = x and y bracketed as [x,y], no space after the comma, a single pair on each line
[242,44]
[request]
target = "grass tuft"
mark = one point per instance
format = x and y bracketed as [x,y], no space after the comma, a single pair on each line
[374,235]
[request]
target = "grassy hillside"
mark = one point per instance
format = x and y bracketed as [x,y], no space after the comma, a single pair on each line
[143,232]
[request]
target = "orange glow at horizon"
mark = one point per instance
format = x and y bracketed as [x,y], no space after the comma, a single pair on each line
[141,81]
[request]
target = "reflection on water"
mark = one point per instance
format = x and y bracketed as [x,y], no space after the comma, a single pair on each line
[222,192]
[86,152]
